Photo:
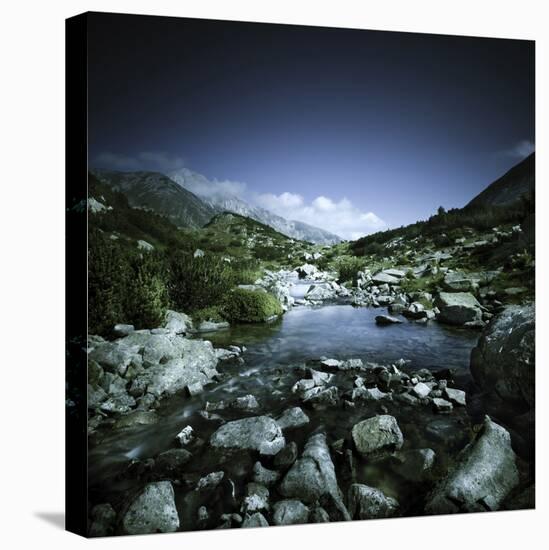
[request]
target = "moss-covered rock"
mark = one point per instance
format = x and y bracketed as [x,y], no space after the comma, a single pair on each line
[251,306]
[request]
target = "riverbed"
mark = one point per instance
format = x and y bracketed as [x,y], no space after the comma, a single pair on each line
[274,359]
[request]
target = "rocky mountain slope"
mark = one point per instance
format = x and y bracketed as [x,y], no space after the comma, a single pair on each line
[156,192]
[517,182]
[220,199]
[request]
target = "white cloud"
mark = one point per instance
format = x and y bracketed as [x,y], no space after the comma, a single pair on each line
[340,217]
[146,160]
[520,150]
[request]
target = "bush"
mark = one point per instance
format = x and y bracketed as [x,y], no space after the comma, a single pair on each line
[250,306]
[124,286]
[196,283]
[348,269]
[208,314]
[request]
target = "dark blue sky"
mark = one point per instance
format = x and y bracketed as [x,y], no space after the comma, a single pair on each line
[397,123]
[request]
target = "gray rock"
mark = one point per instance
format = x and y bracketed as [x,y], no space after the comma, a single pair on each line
[103,521]
[460,282]
[484,474]
[457,397]
[255,520]
[322,396]
[258,433]
[441,405]
[370,503]
[292,418]
[382,278]
[398,273]
[195,389]
[123,330]
[185,436]
[368,394]
[387,320]
[458,308]
[264,476]
[421,390]
[320,378]
[503,362]
[320,292]
[290,512]
[153,511]
[313,476]
[245,403]
[377,436]
[178,323]
[256,499]
[210,481]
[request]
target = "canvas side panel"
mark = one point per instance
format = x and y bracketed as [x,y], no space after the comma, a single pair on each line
[76,275]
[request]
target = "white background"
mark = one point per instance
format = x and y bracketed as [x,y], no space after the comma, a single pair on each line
[32,269]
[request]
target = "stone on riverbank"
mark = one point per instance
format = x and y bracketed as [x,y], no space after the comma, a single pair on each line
[484,474]
[258,433]
[503,362]
[458,308]
[290,512]
[377,436]
[370,503]
[153,511]
[387,320]
[313,475]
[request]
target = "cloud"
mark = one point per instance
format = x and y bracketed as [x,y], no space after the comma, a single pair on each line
[340,217]
[520,150]
[146,160]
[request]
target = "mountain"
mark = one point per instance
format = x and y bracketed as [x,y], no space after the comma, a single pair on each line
[156,192]
[219,196]
[517,182]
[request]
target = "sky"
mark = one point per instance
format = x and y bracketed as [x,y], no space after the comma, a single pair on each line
[352,131]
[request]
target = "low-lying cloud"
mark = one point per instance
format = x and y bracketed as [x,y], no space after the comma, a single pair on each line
[339,217]
[520,150]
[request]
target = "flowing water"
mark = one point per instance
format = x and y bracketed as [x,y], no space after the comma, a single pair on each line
[273,362]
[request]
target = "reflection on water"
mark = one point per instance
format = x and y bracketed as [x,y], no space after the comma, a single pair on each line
[343,331]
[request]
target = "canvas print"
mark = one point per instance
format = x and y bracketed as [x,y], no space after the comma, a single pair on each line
[310,274]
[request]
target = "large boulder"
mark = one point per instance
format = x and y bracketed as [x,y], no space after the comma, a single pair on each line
[458,308]
[457,281]
[258,433]
[290,512]
[313,476]
[484,474]
[157,363]
[503,362]
[153,511]
[320,292]
[377,436]
[384,278]
[370,503]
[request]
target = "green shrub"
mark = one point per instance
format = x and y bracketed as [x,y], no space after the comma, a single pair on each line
[124,286]
[348,269]
[250,306]
[196,283]
[211,313]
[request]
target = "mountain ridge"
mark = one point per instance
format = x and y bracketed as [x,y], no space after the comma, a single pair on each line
[226,201]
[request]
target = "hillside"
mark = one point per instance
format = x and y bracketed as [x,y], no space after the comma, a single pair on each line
[156,192]
[514,184]
[218,197]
